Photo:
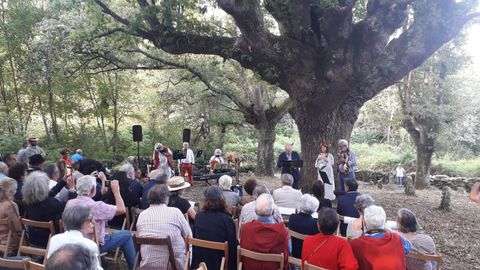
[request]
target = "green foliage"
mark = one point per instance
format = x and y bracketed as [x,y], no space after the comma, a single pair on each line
[383,157]
[457,167]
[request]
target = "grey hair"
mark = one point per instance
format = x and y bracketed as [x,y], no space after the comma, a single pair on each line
[308,204]
[287,179]
[128,168]
[363,201]
[3,165]
[159,175]
[159,194]
[343,142]
[72,256]
[264,205]
[374,217]
[259,190]
[74,217]
[85,184]
[51,169]
[225,181]
[7,185]
[35,189]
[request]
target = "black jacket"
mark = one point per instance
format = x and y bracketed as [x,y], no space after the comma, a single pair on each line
[346,207]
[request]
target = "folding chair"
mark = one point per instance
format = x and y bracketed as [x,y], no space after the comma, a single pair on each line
[307,266]
[202,266]
[264,257]
[135,213]
[5,247]
[125,226]
[139,241]
[25,248]
[436,258]
[35,266]
[291,259]
[208,245]
[236,221]
[14,264]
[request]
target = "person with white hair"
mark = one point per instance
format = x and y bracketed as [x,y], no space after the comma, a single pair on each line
[77,156]
[3,170]
[248,210]
[186,164]
[287,196]
[225,183]
[133,184]
[303,222]
[101,213]
[286,168]
[264,235]
[216,160]
[346,164]
[379,249]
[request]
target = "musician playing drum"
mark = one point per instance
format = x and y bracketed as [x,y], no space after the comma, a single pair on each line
[216,160]
[347,161]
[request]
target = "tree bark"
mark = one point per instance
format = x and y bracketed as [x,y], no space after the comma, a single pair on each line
[265,148]
[424,162]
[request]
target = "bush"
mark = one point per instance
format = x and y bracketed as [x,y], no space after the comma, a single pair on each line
[468,168]
[383,157]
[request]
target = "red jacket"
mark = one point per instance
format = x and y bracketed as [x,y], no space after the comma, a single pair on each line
[264,238]
[329,251]
[384,253]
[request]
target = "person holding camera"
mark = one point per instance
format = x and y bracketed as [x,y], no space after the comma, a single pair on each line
[101,213]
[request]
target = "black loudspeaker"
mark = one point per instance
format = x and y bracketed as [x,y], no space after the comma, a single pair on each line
[137,133]
[186,135]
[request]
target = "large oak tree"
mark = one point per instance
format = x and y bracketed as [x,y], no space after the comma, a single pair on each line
[329,61]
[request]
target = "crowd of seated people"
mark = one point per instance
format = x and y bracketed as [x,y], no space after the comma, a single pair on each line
[86,204]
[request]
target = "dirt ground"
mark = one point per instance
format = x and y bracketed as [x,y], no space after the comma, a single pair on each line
[456,233]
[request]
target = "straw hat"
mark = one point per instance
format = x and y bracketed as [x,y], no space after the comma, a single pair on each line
[177,183]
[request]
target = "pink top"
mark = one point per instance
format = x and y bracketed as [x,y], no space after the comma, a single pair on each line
[100,211]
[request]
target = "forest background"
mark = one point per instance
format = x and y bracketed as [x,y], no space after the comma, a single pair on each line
[72,86]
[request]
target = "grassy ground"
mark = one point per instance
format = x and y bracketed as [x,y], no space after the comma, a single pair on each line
[455,233]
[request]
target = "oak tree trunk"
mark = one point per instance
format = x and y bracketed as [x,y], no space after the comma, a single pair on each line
[424,162]
[265,149]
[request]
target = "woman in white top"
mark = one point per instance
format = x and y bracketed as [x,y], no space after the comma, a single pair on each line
[325,164]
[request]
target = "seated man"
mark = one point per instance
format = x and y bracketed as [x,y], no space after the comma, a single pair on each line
[346,203]
[78,224]
[303,222]
[287,196]
[72,257]
[158,176]
[101,213]
[379,249]
[264,235]
[225,183]
[326,249]
[159,220]
[248,210]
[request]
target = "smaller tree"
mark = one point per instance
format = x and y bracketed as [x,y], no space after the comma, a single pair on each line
[429,103]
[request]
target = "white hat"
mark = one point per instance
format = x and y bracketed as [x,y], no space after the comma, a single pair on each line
[217,152]
[177,183]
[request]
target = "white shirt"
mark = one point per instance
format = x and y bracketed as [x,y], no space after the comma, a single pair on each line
[218,159]
[190,157]
[287,196]
[73,237]
[400,171]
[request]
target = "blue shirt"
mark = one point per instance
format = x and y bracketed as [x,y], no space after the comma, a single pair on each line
[406,244]
[2,176]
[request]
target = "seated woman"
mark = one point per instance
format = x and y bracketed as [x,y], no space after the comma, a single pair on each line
[318,190]
[9,210]
[225,182]
[129,196]
[355,227]
[19,173]
[42,205]
[407,226]
[303,222]
[214,224]
[177,185]
[249,186]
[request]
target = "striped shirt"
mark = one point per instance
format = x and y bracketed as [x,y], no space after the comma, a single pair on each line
[161,221]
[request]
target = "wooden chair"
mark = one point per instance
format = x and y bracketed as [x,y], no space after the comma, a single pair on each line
[135,213]
[236,221]
[35,266]
[202,266]
[4,248]
[294,234]
[307,266]
[295,261]
[139,241]
[436,258]
[25,248]
[14,264]
[264,257]
[125,226]
[208,245]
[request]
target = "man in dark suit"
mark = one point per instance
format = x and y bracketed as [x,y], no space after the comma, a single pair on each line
[289,154]
[346,203]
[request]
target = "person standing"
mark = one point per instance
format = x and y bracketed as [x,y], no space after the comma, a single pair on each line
[324,163]
[347,161]
[290,155]
[400,173]
[32,149]
[77,156]
[64,152]
[161,159]
[186,165]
